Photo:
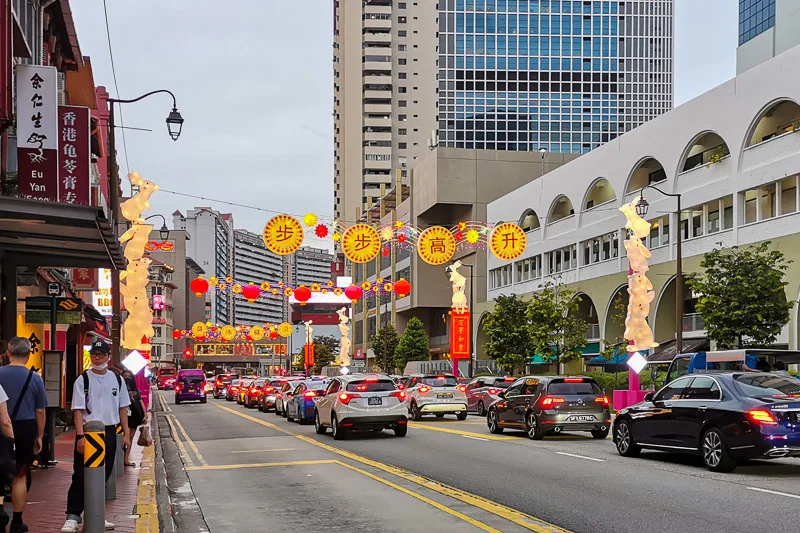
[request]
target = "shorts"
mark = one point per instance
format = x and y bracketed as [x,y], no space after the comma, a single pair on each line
[25,433]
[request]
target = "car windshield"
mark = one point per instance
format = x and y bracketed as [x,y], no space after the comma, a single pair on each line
[580,388]
[316,385]
[378,385]
[224,379]
[193,379]
[439,381]
[761,385]
[502,384]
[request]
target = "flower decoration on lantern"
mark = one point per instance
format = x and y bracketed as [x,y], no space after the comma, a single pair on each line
[302,294]
[222,286]
[354,292]
[386,251]
[337,291]
[473,236]
[213,280]
[462,226]
[366,285]
[236,288]
[251,292]
[265,286]
[329,284]
[273,334]
[336,236]
[315,287]
[459,236]
[229,280]
[402,287]
[274,292]
[387,287]
[387,233]
[378,281]
[321,231]
[310,219]
[199,286]
[401,238]
[399,224]
[288,292]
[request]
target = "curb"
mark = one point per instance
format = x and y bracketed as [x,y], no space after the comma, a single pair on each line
[146,504]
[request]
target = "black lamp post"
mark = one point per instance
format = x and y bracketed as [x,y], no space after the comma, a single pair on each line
[641,209]
[174,126]
[164,231]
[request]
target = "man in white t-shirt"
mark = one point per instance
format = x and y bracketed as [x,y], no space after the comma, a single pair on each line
[105,399]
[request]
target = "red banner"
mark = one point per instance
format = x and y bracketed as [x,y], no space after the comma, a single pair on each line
[308,351]
[459,335]
[85,279]
[74,155]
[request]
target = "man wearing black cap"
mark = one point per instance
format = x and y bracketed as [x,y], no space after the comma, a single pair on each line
[98,395]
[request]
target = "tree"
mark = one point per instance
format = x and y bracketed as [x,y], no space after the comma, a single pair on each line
[742,297]
[384,343]
[614,346]
[510,343]
[413,345]
[557,331]
[325,350]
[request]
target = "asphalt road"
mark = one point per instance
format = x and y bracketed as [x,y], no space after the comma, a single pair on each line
[574,482]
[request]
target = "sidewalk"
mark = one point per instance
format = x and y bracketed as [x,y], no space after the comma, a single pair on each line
[47,499]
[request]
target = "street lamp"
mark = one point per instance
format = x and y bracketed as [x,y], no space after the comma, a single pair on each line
[174,126]
[164,231]
[543,151]
[641,209]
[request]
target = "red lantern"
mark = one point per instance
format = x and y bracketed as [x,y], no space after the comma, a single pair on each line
[402,287]
[273,334]
[302,294]
[251,292]
[176,334]
[199,286]
[353,292]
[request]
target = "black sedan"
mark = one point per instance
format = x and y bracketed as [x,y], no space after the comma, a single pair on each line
[724,417]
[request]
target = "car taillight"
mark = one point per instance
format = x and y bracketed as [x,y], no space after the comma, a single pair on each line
[253,392]
[362,388]
[508,379]
[762,416]
[424,389]
[401,386]
[440,378]
[177,388]
[219,383]
[400,395]
[269,389]
[549,401]
[462,388]
[310,394]
[372,380]
[603,400]
[573,380]
[345,397]
[493,391]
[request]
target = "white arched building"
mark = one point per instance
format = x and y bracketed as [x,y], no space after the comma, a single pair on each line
[733,154]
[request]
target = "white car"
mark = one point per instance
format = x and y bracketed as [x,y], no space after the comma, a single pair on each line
[361,402]
[435,394]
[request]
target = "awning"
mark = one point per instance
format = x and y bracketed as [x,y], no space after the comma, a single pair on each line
[666,352]
[48,234]
[619,358]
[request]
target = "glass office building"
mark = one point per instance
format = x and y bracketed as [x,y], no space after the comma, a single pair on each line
[755,17]
[560,75]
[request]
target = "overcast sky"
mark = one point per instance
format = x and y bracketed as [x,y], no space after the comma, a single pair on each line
[253,80]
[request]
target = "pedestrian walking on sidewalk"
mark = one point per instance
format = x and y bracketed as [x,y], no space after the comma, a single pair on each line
[27,402]
[137,413]
[6,452]
[98,395]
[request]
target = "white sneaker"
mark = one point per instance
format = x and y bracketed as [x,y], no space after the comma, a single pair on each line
[109,526]
[70,526]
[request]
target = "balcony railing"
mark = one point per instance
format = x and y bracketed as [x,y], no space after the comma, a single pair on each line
[593,332]
[693,322]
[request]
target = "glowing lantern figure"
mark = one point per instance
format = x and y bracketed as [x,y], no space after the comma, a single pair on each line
[251,292]
[640,290]
[199,286]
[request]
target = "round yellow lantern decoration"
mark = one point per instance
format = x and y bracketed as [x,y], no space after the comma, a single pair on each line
[228,333]
[507,241]
[436,245]
[283,235]
[361,243]
[285,329]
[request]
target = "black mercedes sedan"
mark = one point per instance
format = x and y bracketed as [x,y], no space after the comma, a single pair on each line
[724,417]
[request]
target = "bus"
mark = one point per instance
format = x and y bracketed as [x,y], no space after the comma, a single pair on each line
[165,374]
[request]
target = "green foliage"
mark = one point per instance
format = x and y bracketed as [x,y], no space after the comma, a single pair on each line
[616,344]
[325,350]
[413,345]
[510,343]
[384,344]
[743,302]
[556,329]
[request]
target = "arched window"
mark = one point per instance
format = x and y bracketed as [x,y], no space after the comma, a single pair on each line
[648,172]
[529,220]
[779,118]
[561,208]
[707,148]
[599,192]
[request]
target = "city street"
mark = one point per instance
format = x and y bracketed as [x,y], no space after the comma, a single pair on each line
[248,469]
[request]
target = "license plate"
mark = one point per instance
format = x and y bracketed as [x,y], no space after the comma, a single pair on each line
[581,418]
[797,416]
[375,400]
[444,395]
[191,390]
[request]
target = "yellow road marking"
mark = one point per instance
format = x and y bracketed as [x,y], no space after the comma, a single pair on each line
[487,435]
[164,407]
[524,520]
[190,442]
[176,437]
[262,465]
[259,451]
[465,518]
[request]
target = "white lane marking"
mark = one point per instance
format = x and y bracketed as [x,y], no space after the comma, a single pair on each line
[475,438]
[795,496]
[582,457]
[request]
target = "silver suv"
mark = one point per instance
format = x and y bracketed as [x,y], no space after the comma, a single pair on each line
[438,394]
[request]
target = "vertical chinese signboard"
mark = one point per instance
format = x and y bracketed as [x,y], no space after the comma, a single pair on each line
[459,335]
[37,132]
[73,155]
[85,279]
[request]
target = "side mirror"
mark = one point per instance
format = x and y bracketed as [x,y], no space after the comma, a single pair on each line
[501,394]
[649,397]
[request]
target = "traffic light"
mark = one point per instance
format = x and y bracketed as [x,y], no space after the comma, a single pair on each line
[187,353]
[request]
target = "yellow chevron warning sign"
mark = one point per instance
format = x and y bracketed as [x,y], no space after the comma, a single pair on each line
[119,429]
[94,450]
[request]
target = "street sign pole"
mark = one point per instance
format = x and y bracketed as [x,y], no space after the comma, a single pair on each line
[49,447]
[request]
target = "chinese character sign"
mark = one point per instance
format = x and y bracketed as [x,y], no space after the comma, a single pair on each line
[159,304]
[361,243]
[37,132]
[283,235]
[101,299]
[436,245]
[507,241]
[74,155]
[459,335]
[84,279]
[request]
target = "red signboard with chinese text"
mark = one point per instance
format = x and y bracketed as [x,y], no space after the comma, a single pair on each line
[85,279]
[459,335]
[74,155]
[37,132]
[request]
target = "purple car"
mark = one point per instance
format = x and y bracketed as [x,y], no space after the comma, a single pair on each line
[190,386]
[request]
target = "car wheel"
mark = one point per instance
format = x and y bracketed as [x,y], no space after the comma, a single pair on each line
[600,433]
[492,422]
[177,401]
[462,415]
[624,440]
[439,415]
[338,432]
[715,452]
[532,427]
[289,417]
[416,412]
[400,430]
[320,429]
[481,409]
[204,400]
[284,412]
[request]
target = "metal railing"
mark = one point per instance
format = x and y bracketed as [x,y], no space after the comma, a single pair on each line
[693,322]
